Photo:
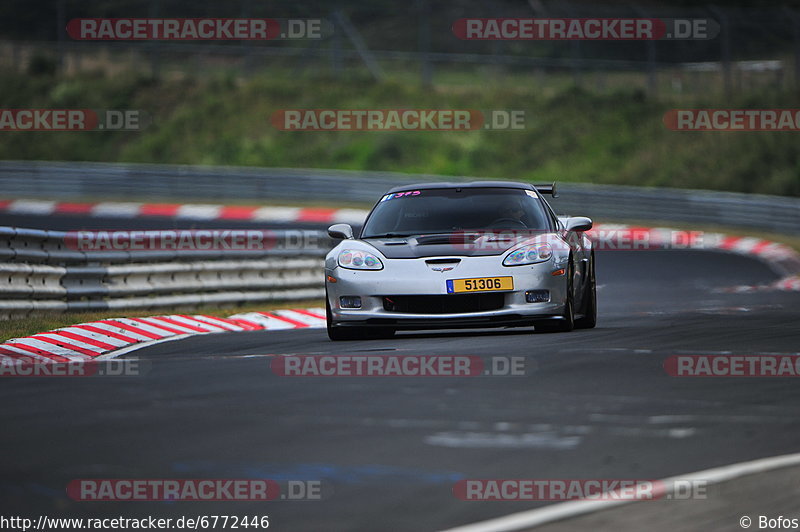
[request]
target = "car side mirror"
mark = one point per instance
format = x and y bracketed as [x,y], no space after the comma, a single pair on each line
[340,231]
[578,223]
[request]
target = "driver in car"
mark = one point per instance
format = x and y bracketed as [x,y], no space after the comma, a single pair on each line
[512,211]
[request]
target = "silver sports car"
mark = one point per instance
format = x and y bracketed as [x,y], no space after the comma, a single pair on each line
[454,255]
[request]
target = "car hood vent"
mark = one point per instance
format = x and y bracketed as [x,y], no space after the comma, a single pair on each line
[439,245]
[432,240]
[443,261]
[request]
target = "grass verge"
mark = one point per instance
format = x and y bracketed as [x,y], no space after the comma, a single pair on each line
[569,134]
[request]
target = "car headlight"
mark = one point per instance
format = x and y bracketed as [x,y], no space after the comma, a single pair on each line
[528,255]
[355,259]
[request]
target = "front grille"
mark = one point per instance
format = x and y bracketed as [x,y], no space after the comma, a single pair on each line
[444,304]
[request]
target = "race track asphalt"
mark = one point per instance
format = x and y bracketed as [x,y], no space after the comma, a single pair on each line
[594,404]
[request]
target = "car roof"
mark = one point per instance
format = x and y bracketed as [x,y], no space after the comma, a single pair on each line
[471,184]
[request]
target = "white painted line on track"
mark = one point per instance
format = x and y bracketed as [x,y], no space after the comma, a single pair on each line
[567,510]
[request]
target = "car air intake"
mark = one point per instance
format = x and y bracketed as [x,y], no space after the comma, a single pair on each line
[446,238]
[444,304]
[439,262]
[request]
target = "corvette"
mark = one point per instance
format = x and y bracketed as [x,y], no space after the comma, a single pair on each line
[460,255]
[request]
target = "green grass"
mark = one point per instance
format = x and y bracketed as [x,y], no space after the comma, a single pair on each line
[571,135]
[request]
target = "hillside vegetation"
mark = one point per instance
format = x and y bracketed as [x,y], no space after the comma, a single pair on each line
[570,135]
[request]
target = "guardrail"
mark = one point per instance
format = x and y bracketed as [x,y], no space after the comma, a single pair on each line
[40,272]
[187,183]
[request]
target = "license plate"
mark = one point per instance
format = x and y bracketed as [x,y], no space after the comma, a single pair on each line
[480,284]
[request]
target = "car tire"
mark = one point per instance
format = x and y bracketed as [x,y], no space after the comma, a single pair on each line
[567,321]
[338,334]
[589,318]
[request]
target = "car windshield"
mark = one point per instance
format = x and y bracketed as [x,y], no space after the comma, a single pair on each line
[428,211]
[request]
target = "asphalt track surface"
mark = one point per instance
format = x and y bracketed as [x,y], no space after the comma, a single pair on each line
[594,404]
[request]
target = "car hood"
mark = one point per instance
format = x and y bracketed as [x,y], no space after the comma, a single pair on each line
[456,244]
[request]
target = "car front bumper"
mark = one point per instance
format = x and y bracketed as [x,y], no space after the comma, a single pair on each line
[413,277]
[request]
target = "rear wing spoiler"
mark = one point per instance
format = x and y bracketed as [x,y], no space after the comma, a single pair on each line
[547,189]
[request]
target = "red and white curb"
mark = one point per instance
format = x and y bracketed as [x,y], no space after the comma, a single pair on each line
[781,258]
[102,339]
[179,211]
[786,259]
[787,284]
[113,337]
[664,237]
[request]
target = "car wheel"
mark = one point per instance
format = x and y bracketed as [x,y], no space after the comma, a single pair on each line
[589,319]
[338,334]
[567,321]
